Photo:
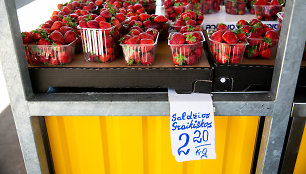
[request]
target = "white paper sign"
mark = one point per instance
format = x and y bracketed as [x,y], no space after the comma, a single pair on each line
[192,126]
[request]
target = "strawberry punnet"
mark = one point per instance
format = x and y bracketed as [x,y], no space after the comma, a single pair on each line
[189,21]
[186,48]
[139,48]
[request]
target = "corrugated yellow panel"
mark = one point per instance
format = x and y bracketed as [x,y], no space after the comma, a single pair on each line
[300,167]
[120,145]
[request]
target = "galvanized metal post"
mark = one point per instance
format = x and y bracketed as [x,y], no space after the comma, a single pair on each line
[289,55]
[18,82]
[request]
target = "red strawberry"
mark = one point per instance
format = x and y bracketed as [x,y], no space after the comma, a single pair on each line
[241,22]
[133,40]
[217,36]
[177,39]
[108,41]
[70,36]
[64,57]
[104,58]
[147,59]
[146,36]
[251,51]
[273,35]
[168,3]
[53,61]
[120,17]
[238,49]
[178,8]
[241,34]
[178,24]
[64,29]
[178,59]
[57,36]
[234,59]
[27,37]
[44,42]
[152,31]
[222,58]
[160,19]
[98,3]
[92,24]
[254,39]
[56,25]
[144,17]
[141,10]
[198,52]
[134,32]
[191,59]
[274,2]
[136,28]
[255,21]
[265,53]
[230,37]
[147,23]
[247,29]
[99,19]
[191,23]
[55,18]
[137,6]
[260,2]
[221,26]
[185,50]
[106,14]
[124,39]
[83,24]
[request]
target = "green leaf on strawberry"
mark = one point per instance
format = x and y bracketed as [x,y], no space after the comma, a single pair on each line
[180,59]
[190,38]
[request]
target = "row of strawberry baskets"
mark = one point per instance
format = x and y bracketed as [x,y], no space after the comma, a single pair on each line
[102,27]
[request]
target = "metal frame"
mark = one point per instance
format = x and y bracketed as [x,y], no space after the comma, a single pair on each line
[276,104]
[295,134]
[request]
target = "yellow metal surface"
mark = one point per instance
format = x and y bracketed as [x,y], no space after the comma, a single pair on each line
[141,145]
[300,167]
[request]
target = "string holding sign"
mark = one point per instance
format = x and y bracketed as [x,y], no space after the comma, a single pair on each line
[192,127]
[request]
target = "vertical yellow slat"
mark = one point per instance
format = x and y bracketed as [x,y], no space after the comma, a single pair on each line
[56,133]
[124,142]
[300,167]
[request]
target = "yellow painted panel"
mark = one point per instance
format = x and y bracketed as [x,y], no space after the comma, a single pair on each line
[300,167]
[120,145]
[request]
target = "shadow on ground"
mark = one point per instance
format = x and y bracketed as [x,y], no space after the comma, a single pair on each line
[11,161]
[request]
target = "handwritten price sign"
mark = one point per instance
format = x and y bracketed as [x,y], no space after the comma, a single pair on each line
[192,126]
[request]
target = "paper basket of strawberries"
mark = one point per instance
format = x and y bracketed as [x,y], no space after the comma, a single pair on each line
[267,11]
[55,48]
[139,48]
[189,21]
[226,46]
[187,48]
[235,7]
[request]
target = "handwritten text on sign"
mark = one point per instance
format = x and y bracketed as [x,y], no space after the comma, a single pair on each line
[192,126]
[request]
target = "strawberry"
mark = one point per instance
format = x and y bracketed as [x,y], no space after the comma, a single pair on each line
[104,58]
[92,24]
[146,36]
[192,23]
[106,14]
[222,58]
[55,18]
[53,61]
[124,39]
[217,36]
[255,21]
[241,34]
[178,24]
[144,17]
[185,50]
[254,39]
[44,42]
[168,3]
[134,32]
[224,48]
[265,53]
[147,24]
[178,8]
[247,29]
[64,57]
[57,36]
[152,31]
[160,19]
[258,29]
[261,2]
[198,52]
[133,40]
[191,59]
[190,38]
[136,28]
[146,41]
[83,24]
[230,37]
[221,26]
[56,25]
[178,59]
[177,39]
[252,51]
[241,22]
[99,19]
[64,29]
[147,59]
[98,3]
[70,36]
[234,59]
[238,49]
[273,35]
